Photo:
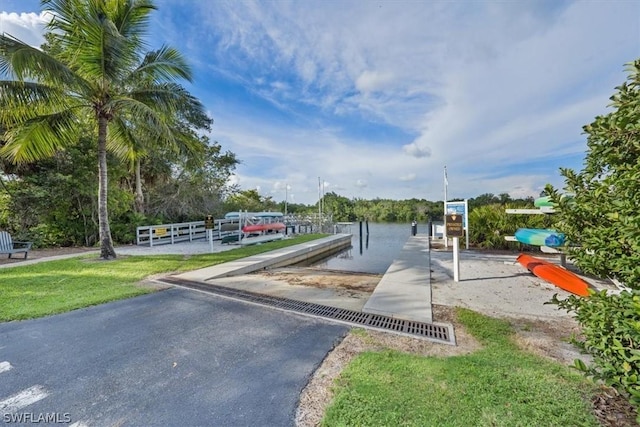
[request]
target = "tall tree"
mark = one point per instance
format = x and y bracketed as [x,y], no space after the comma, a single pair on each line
[101,75]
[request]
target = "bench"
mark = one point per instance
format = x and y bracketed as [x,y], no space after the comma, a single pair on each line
[8,246]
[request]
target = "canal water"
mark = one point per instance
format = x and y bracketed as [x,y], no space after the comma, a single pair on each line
[374,252]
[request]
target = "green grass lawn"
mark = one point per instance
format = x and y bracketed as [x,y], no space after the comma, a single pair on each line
[58,286]
[499,385]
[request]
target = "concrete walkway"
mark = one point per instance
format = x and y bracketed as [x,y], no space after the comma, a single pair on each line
[405,289]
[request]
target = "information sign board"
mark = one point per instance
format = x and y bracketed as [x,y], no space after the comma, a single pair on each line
[455,227]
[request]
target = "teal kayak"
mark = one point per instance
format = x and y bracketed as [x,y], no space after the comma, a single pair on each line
[545,202]
[540,237]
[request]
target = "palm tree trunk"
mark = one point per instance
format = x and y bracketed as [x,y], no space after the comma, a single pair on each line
[139,198]
[106,244]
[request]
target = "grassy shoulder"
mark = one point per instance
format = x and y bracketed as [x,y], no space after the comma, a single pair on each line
[52,287]
[499,385]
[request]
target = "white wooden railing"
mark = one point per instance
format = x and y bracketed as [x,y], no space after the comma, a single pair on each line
[151,235]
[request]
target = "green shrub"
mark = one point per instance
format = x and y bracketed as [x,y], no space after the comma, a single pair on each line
[489,224]
[601,220]
[611,334]
[44,236]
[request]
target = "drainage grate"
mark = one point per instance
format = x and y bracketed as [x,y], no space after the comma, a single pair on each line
[430,331]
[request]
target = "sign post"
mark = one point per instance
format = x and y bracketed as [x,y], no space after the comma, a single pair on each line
[460,208]
[208,225]
[455,229]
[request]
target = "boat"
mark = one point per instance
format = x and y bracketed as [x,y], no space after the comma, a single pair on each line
[540,237]
[234,225]
[266,227]
[252,240]
[254,215]
[554,274]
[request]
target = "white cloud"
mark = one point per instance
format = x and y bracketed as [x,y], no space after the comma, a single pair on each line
[26,27]
[372,81]
[415,150]
[409,177]
[233,180]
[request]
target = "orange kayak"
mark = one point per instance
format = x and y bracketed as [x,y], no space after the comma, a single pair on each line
[555,275]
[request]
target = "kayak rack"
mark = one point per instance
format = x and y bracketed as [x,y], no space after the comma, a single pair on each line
[543,210]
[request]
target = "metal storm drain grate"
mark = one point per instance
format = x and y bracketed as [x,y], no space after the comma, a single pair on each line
[430,331]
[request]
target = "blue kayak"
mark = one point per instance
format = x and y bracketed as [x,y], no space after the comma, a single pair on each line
[540,237]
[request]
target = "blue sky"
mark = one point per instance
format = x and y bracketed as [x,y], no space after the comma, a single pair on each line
[376,97]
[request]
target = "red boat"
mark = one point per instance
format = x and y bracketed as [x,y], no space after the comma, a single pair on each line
[555,275]
[258,228]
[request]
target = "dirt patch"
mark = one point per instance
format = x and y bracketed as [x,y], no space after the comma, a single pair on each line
[362,282]
[549,339]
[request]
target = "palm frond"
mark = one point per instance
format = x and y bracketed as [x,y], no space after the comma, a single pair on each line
[25,62]
[188,144]
[91,42]
[150,119]
[40,137]
[163,64]
[131,18]
[22,101]
[169,97]
[124,140]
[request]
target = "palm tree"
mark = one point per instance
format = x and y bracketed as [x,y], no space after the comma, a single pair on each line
[98,74]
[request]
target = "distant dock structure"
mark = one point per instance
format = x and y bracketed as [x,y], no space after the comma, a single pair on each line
[237,227]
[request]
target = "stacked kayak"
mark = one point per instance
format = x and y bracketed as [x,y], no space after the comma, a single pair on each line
[545,202]
[555,275]
[540,237]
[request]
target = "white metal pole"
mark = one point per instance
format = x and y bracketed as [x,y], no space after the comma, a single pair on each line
[444,234]
[466,220]
[319,207]
[456,259]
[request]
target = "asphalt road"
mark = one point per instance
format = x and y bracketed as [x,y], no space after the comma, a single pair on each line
[173,358]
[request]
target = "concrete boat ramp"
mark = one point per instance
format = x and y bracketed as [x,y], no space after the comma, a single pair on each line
[405,289]
[274,259]
[404,292]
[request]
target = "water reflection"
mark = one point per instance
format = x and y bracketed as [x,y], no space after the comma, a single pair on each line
[377,248]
